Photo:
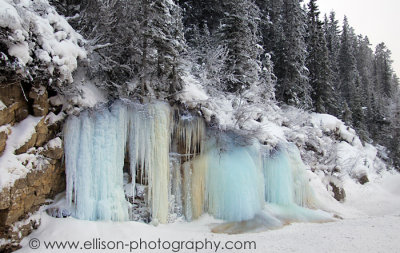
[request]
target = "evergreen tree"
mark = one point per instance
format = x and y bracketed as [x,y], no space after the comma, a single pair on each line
[162,41]
[318,63]
[239,33]
[289,55]
[347,67]
[134,45]
[200,14]
[364,58]
[271,24]
[358,114]
[395,125]
[207,57]
[332,37]
[383,71]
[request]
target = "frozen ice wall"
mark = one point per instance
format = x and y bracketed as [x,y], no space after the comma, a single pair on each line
[95,148]
[189,141]
[287,190]
[285,177]
[234,181]
[186,169]
[94,157]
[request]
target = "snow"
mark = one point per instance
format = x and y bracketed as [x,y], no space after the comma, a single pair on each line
[325,121]
[2,105]
[374,229]
[51,118]
[272,132]
[192,91]
[54,143]
[6,128]
[9,17]
[89,95]
[379,197]
[21,51]
[57,100]
[56,44]
[22,132]
[12,167]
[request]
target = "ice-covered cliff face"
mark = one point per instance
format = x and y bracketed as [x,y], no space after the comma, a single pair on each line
[185,168]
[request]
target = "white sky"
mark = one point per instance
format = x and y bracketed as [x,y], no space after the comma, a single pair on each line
[377,19]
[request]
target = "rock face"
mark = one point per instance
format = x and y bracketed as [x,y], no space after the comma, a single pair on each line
[363,179]
[53,149]
[29,144]
[17,109]
[44,180]
[28,194]
[40,100]
[3,140]
[42,133]
[339,193]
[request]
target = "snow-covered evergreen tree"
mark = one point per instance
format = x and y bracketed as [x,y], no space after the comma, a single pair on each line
[289,56]
[239,33]
[383,71]
[347,66]
[162,42]
[394,145]
[332,37]
[320,74]
[364,58]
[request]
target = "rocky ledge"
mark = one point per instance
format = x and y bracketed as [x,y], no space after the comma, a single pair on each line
[45,177]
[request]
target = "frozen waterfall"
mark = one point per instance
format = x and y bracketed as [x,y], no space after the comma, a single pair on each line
[182,168]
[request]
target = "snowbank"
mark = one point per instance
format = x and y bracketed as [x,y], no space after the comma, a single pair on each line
[363,234]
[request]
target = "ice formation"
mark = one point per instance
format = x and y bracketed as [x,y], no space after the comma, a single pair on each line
[94,157]
[234,183]
[187,169]
[285,180]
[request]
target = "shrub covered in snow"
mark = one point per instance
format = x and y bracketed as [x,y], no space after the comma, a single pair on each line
[37,42]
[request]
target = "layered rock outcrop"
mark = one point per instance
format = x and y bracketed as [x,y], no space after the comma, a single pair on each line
[46,176]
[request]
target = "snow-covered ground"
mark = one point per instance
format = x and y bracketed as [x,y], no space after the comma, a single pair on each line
[370,224]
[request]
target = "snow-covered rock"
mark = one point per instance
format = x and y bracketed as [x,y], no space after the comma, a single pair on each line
[38,36]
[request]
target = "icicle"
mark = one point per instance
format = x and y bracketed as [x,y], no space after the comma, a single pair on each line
[234,182]
[71,145]
[85,204]
[176,187]
[287,189]
[303,194]
[189,132]
[187,190]
[158,171]
[278,178]
[198,187]
[96,147]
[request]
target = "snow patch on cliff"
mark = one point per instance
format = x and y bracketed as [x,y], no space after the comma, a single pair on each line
[13,167]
